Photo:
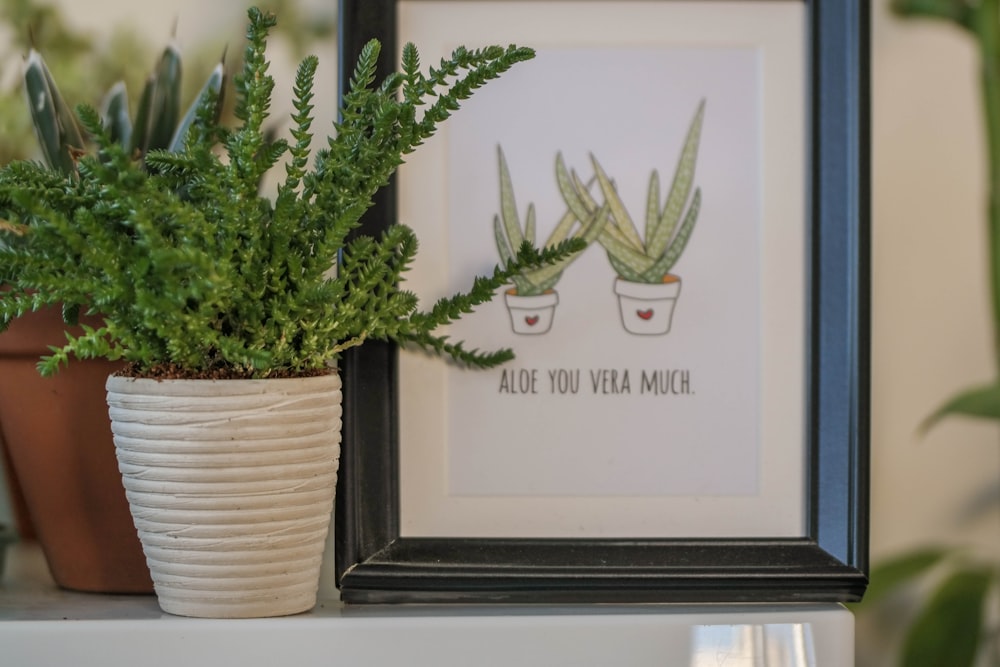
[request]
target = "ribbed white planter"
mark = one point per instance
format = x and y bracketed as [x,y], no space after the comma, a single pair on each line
[231,486]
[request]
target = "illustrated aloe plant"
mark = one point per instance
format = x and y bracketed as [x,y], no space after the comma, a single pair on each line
[510,234]
[157,124]
[635,258]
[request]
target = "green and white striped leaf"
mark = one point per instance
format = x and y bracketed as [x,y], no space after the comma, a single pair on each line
[593,228]
[680,188]
[541,286]
[652,205]
[58,134]
[593,209]
[503,247]
[584,190]
[529,225]
[140,128]
[584,207]
[614,242]
[588,233]
[576,196]
[159,105]
[213,86]
[523,286]
[624,271]
[562,229]
[114,114]
[619,214]
[508,206]
[669,258]
[507,229]
[166,99]
[547,273]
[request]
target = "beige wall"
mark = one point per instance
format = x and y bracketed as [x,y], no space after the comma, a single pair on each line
[930,310]
[196,19]
[931,321]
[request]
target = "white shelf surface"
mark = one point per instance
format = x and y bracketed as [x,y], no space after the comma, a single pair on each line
[43,625]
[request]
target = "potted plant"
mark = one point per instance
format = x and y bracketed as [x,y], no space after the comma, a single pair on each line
[229,313]
[58,436]
[532,300]
[647,291]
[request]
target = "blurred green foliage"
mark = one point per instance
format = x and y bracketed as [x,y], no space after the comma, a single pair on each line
[86,65]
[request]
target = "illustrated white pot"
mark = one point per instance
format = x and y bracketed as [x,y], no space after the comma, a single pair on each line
[231,485]
[531,315]
[647,309]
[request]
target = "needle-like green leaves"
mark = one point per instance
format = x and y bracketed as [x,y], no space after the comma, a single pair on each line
[194,271]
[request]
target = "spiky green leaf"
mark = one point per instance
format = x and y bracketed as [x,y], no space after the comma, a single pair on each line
[55,124]
[529,225]
[508,205]
[165,105]
[115,114]
[652,205]
[575,194]
[617,246]
[665,263]
[210,93]
[624,270]
[503,244]
[680,188]
[620,217]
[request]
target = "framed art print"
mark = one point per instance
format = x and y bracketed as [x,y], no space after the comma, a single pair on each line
[685,418]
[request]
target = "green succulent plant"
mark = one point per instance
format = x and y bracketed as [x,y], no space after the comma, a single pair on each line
[197,275]
[648,258]
[158,123]
[87,63]
[510,235]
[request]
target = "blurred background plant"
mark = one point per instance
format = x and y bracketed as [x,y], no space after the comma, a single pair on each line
[86,64]
[943,600]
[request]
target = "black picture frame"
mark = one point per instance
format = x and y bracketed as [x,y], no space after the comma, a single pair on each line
[374,564]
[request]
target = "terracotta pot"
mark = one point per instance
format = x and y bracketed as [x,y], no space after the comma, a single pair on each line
[59,445]
[231,484]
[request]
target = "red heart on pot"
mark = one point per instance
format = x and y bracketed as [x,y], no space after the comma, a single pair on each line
[644,314]
[531,320]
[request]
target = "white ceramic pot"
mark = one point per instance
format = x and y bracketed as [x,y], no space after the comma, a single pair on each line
[231,485]
[647,309]
[531,315]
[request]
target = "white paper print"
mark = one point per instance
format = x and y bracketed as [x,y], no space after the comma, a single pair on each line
[637,369]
